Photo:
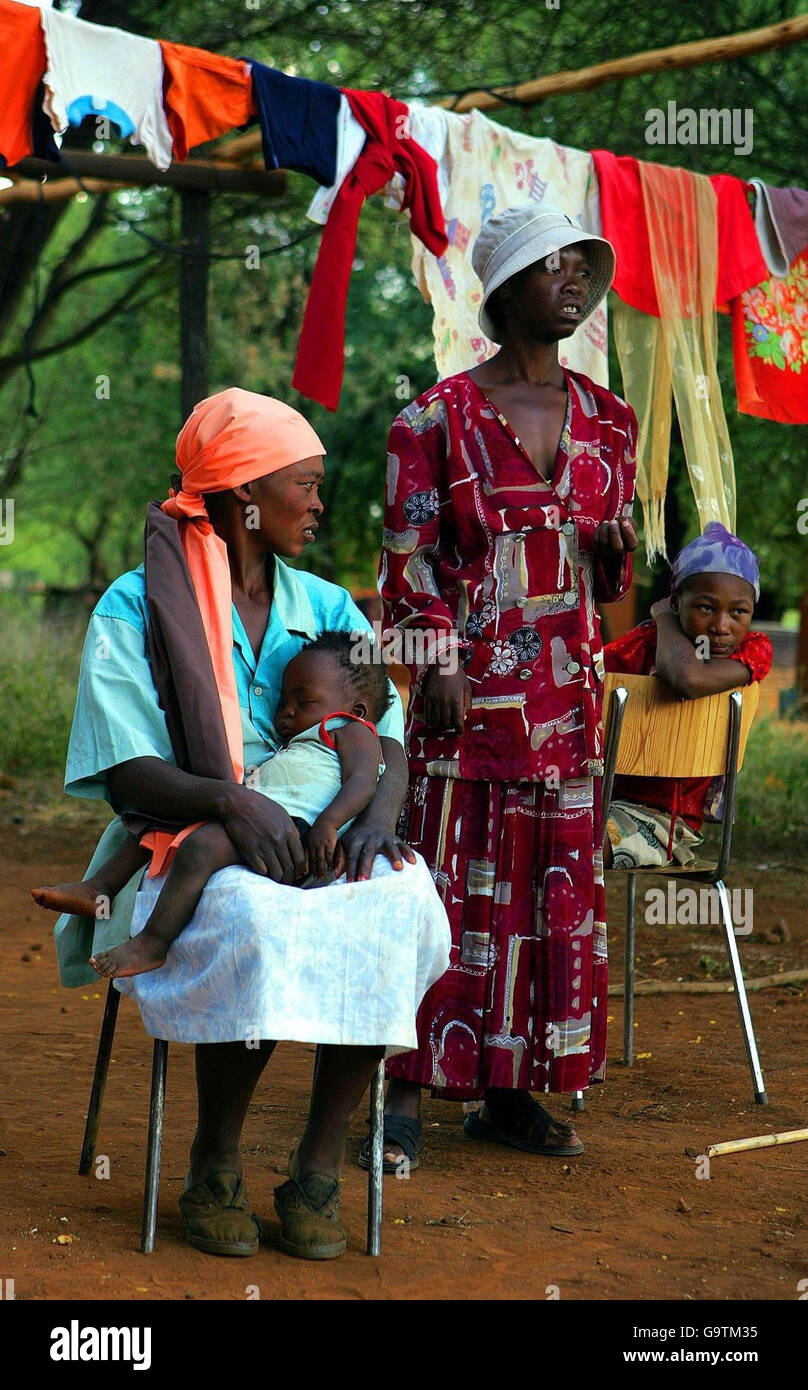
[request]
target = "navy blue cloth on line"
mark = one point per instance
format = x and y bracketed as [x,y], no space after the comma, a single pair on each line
[298,122]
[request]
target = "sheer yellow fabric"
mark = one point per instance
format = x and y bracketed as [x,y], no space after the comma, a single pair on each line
[676,353]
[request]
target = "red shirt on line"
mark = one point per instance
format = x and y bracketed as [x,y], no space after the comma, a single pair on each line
[634,654]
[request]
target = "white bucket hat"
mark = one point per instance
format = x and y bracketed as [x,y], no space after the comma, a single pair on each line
[512,240]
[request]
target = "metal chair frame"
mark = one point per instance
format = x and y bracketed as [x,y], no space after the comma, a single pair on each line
[154,1141]
[713,874]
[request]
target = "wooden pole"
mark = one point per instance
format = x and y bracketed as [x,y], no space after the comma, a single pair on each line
[122,170]
[802,650]
[195,237]
[682,55]
[52,190]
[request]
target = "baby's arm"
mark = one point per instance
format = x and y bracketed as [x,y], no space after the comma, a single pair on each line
[678,662]
[359,753]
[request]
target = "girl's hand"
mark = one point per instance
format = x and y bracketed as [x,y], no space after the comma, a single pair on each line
[447,699]
[613,539]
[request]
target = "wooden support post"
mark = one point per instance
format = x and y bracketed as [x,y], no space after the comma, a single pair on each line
[195,238]
[137,170]
[802,653]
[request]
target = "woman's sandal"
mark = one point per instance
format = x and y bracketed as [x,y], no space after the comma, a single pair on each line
[401,1130]
[216,1216]
[528,1131]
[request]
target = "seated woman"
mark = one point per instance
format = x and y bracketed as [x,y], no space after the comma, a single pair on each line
[698,641]
[180,675]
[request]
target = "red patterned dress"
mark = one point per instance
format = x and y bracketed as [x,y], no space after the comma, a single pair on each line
[480,552]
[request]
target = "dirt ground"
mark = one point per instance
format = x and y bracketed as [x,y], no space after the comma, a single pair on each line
[628,1219]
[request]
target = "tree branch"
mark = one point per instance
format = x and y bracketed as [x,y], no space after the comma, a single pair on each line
[91,271]
[17,359]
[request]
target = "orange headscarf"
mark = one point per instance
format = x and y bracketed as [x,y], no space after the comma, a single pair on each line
[231,438]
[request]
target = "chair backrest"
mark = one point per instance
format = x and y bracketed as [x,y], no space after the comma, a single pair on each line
[663,736]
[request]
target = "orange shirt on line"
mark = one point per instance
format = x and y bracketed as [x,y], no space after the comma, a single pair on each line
[204,95]
[22,65]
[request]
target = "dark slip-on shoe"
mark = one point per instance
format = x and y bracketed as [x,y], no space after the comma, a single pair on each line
[216,1216]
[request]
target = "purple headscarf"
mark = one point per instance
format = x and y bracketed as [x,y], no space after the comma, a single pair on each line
[717,551]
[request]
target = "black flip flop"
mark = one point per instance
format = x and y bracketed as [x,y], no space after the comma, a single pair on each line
[528,1132]
[401,1130]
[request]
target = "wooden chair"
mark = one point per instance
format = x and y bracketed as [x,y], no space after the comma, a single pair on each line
[155,1132]
[649,732]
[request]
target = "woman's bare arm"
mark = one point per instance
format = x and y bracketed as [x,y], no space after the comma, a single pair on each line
[262,832]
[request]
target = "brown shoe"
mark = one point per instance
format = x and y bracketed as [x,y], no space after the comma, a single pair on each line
[309,1212]
[216,1216]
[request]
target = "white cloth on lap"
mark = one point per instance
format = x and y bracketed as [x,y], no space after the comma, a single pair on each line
[348,964]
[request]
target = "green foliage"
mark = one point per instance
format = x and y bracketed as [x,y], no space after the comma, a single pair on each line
[39,665]
[771,811]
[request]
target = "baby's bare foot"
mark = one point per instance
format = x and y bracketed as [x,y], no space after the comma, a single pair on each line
[84,899]
[135,957]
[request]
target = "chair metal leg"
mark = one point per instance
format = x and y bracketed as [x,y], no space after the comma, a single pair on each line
[154,1145]
[740,994]
[628,976]
[99,1078]
[375,1171]
[577,1102]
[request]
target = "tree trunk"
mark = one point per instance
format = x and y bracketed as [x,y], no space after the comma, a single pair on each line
[802,650]
[194,298]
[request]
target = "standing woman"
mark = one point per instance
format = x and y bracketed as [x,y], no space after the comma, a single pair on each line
[509,495]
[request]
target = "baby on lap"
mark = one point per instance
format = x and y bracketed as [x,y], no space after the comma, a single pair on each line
[324,775]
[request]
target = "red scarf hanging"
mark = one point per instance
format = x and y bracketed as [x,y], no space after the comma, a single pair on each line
[388,148]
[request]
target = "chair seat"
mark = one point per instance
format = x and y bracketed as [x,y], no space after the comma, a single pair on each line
[708,872]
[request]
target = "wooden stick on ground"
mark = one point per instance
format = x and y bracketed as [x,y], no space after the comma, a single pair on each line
[784,977]
[760,1141]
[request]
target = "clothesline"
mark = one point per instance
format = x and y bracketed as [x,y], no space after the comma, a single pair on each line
[452,173]
[678,56]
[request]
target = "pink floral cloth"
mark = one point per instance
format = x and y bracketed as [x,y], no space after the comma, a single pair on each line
[770,347]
